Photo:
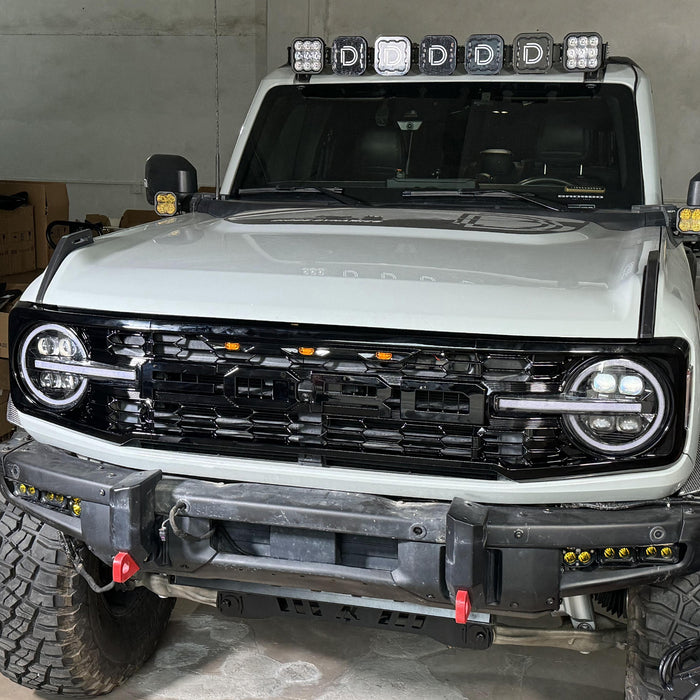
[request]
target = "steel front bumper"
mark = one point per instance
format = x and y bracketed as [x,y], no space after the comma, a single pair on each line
[507,558]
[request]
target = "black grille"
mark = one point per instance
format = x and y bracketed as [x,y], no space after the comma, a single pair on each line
[247,390]
[425,410]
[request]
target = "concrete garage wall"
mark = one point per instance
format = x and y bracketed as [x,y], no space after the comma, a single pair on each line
[90,89]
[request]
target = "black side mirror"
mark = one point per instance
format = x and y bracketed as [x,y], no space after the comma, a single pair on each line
[168,173]
[694,191]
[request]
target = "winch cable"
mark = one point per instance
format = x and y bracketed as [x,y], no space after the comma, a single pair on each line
[75,559]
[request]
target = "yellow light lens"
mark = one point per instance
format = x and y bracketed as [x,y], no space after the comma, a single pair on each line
[695,214]
[623,552]
[22,488]
[685,214]
[695,226]
[234,347]
[166,204]
[76,507]
[383,355]
[570,557]
[584,557]
[651,551]
[307,351]
[684,225]
[31,490]
[666,552]
[608,552]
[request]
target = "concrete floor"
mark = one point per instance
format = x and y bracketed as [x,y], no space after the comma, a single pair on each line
[209,657]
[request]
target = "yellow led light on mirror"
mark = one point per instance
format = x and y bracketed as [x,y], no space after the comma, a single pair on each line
[166,204]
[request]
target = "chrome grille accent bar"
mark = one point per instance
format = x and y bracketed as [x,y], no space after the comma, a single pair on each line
[93,370]
[566,406]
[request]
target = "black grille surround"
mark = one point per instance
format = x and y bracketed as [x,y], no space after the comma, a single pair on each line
[430,409]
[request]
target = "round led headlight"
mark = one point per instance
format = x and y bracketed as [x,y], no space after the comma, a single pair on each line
[48,354]
[638,419]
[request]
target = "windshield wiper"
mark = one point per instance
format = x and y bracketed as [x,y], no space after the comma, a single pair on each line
[495,194]
[335,193]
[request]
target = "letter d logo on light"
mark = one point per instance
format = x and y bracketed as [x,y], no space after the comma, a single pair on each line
[484,54]
[532,53]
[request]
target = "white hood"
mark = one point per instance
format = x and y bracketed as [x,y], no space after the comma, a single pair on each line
[477,273]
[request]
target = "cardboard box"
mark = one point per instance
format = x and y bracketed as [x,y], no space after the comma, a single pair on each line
[136,217]
[16,241]
[4,378]
[50,202]
[6,428]
[20,282]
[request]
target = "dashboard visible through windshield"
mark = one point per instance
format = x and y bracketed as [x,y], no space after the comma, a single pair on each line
[421,143]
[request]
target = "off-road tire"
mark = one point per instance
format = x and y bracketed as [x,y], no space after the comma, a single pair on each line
[659,615]
[56,634]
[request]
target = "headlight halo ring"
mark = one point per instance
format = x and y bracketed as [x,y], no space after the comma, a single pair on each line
[34,390]
[649,437]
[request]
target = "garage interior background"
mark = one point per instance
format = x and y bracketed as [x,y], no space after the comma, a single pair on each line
[91,89]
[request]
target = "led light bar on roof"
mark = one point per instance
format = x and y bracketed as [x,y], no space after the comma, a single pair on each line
[441,55]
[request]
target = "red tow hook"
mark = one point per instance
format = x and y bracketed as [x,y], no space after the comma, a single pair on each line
[123,567]
[463,607]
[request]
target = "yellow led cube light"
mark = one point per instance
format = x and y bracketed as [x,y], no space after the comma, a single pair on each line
[688,220]
[166,204]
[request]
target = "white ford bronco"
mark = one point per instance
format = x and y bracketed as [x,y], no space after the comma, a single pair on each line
[427,361]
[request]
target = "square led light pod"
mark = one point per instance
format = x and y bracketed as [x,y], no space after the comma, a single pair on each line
[349,55]
[532,53]
[583,52]
[484,54]
[308,55]
[166,204]
[392,55]
[437,55]
[688,220]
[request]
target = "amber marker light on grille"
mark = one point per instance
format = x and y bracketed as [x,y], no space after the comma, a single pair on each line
[166,204]
[307,352]
[233,347]
[570,557]
[384,355]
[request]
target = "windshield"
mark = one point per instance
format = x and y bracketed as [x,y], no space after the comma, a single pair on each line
[571,144]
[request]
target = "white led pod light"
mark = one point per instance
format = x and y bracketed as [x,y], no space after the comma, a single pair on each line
[582,51]
[308,54]
[392,55]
